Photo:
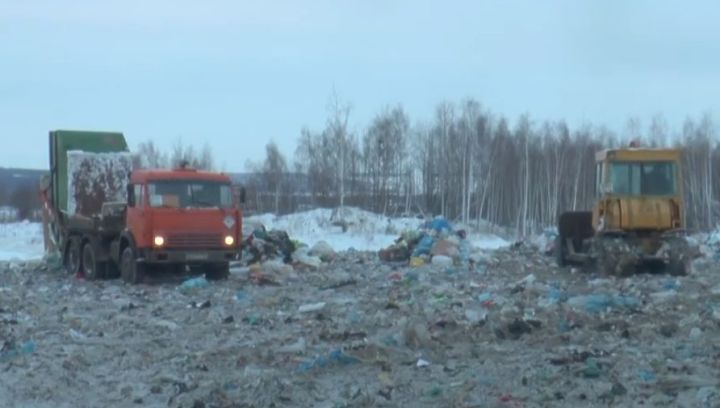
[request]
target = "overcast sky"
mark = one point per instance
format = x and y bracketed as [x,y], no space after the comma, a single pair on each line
[237,74]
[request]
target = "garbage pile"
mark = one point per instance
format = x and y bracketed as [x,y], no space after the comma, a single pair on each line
[708,244]
[273,252]
[545,241]
[434,242]
[357,331]
[264,245]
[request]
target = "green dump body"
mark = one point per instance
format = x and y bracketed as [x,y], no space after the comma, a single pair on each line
[63,141]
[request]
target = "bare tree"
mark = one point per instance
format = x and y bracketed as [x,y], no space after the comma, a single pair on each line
[337,128]
[186,154]
[385,158]
[658,131]
[274,171]
[466,163]
[26,200]
[633,129]
[151,157]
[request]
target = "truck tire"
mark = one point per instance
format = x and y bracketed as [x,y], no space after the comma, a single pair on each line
[219,271]
[132,272]
[71,256]
[92,269]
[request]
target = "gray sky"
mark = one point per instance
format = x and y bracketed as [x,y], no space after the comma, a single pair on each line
[237,74]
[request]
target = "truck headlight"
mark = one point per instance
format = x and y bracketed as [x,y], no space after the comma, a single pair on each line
[229,240]
[159,241]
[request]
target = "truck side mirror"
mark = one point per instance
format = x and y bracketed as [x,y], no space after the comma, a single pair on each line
[131,195]
[242,195]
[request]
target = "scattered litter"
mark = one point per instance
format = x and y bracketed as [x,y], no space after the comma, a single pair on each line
[442,260]
[200,305]
[647,375]
[314,307]
[10,353]
[324,251]
[194,283]
[598,303]
[335,357]
[354,330]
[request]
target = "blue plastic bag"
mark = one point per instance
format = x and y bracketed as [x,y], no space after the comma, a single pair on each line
[440,225]
[424,246]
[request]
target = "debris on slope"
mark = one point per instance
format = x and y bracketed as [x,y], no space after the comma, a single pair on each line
[516,331]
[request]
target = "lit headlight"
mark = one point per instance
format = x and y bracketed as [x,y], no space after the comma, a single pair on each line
[229,240]
[159,241]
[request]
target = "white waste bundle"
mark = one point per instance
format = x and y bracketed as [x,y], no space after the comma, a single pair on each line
[96,178]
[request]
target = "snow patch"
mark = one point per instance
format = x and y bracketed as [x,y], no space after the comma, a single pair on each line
[21,241]
[487,241]
[363,230]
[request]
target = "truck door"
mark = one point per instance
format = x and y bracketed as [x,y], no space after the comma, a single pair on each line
[136,222]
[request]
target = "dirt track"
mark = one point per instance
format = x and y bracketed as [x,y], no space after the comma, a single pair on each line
[514,332]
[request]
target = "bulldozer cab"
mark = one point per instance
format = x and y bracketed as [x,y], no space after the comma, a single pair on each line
[636,223]
[638,190]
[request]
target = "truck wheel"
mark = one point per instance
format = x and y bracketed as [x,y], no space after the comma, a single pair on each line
[219,271]
[71,256]
[132,272]
[92,269]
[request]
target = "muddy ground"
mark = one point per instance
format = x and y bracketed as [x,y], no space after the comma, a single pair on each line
[514,331]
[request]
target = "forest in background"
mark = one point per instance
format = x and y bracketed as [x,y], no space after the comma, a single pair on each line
[473,166]
[465,163]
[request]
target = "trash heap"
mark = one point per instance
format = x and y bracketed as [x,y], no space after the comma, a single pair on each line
[709,244]
[517,332]
[545,241]
[275,253]
[435,242]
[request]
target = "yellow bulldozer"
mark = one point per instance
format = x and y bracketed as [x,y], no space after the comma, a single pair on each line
[637,223]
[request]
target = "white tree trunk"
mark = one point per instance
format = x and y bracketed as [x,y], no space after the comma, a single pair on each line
[526,189]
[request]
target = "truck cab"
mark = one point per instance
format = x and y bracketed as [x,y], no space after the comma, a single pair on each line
[179,217]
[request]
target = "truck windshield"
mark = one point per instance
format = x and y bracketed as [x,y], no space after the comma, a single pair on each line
[645,178]
[189,194]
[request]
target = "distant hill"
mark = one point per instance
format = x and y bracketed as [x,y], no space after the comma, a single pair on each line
[12,179]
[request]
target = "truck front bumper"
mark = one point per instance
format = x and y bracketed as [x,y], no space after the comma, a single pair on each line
[200,256]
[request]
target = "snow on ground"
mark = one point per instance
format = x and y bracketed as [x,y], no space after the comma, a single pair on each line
[366,231]
[21,241]
[487,241]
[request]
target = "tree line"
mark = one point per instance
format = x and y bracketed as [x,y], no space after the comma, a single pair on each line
[472,165]
[465,163]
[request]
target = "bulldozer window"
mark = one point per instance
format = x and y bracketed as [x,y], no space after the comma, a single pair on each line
[647,178]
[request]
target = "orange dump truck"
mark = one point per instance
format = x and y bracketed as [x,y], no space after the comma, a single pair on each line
[108,219]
